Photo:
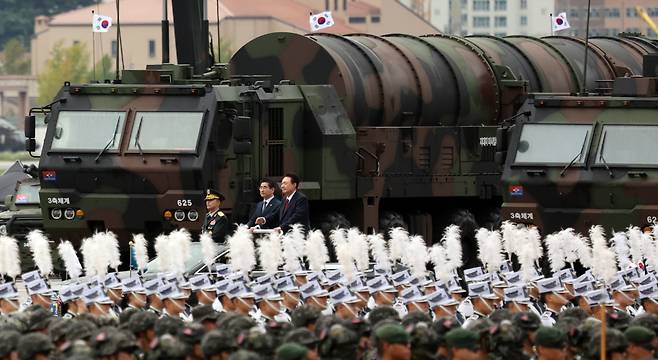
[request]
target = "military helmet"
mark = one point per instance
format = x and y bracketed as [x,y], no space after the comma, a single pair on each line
[382,313]
[615,343]
[302,336]
[168,347]
[215,342]
[8,342]
[305,315]
[338,342]
[33,344]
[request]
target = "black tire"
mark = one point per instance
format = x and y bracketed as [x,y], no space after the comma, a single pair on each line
[491,220]
[390,220]
[330,221]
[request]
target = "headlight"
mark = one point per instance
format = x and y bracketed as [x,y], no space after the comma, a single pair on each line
[3,229]
[179,215]
[56,214]
[69,214]
[192,215]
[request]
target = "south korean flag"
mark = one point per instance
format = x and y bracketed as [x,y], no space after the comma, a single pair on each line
[321,21]
[560,22]
[101,23]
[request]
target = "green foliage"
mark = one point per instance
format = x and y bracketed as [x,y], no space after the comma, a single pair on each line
[15,58]
[226,51]
[66,64]
[18,16]
[104,69]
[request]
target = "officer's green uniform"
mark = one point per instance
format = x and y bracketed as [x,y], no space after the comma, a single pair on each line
[215,223]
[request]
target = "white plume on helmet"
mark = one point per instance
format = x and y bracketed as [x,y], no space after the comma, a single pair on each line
[316,250]
[338,239]
[209,249]
[530,252]
[269,252]
[379,251]
[620,243]
[453,245]
[110,245]
[10,259]
[242,254]
[141,252]
[359,248]
[293,248]
[70,258]
[638,249]
[512,238]
[38,244]
[399,238]
[555,251]
[418,257]
[180,241]
[490,249]
[604,264]
[162,251]
[438,257]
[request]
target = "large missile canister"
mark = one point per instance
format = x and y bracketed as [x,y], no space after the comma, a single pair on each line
[404,80]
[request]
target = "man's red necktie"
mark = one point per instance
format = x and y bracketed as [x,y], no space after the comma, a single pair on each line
[285,204]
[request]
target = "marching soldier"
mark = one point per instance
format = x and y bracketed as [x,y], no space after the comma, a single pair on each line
[9,302]
[215,222]
[483,299]
[551,293]
[174,302]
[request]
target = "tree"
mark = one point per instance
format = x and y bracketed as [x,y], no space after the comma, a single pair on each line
[104,70]
[18,15]
[66,64]
[16,60]
[225,52]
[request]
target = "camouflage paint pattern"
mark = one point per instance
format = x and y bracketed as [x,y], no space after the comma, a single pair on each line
[587,194]
[367,122]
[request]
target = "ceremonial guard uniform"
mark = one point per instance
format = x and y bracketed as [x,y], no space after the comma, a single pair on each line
[215,223]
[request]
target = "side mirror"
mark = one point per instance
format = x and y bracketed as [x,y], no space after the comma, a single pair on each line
[242,128]
[30,126]
[30,145]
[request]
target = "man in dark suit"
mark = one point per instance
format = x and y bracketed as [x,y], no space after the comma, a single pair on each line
[215,223]
[295,205]
[266,213]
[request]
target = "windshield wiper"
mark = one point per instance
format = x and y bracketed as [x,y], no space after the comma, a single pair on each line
[578,156]
[605,163]
[111,141]
[139,146]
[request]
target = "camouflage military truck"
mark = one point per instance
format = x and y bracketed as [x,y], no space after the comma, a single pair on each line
[392,130]
[584,160]
[23,212]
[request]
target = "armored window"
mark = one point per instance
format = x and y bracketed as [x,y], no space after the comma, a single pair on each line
[628,145]
[165,131]
[27,193]
[88,130]
[553,144]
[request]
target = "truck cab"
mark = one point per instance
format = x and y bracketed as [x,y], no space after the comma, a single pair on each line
[578,161]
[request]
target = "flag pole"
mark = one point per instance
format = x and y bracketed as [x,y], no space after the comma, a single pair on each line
[584,88]
[93,48]
[551,27]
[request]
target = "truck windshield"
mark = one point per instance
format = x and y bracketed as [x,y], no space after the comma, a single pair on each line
[27,194]
[553,144]
[165,131]
[632,145]
[88,130]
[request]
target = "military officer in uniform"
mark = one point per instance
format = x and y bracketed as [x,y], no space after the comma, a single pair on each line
[215,223]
